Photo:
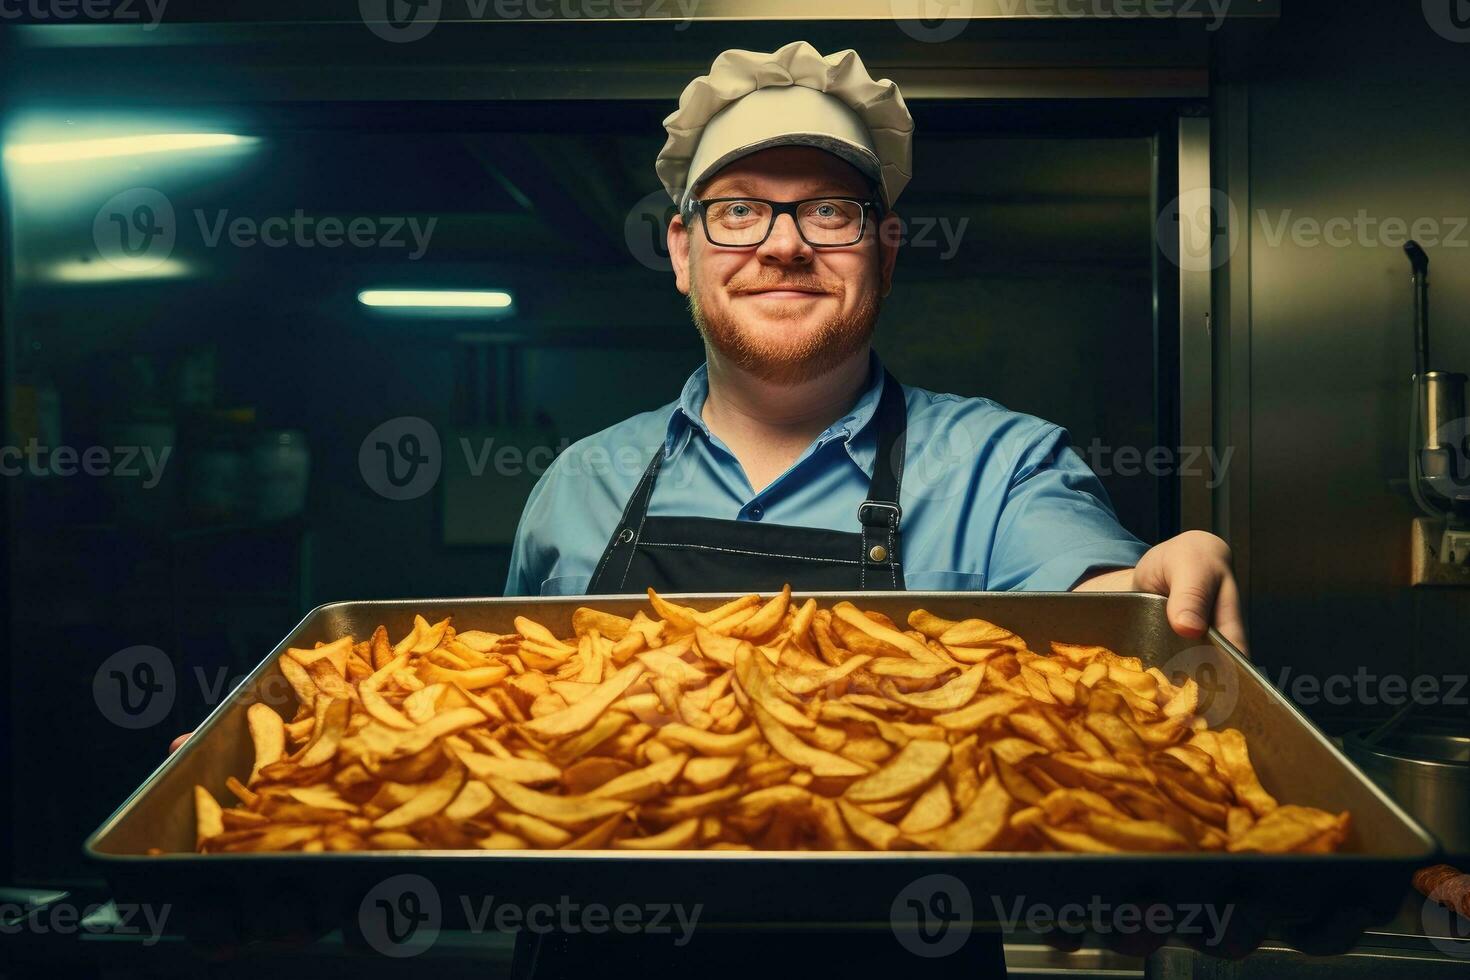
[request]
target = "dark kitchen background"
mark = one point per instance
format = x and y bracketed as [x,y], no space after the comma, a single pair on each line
[1037,276]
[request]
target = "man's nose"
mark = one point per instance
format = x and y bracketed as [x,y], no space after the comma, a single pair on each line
[785,244]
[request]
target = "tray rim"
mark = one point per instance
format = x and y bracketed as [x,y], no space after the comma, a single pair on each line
[1433,847]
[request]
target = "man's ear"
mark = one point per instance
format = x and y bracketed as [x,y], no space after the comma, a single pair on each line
[890,237]
[678,242]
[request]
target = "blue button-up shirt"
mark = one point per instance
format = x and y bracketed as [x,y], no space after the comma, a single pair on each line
[992,499]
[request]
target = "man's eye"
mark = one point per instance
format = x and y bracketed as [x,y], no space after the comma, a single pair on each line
[739,210]
[829,214]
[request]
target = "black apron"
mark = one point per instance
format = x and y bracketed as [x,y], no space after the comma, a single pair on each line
[702,554]
[699,554]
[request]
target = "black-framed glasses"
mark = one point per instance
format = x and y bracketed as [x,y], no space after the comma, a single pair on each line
[743,222]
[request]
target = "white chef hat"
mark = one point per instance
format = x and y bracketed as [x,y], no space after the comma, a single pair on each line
[751,100]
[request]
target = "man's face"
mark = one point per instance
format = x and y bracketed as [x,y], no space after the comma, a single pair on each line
[783,310]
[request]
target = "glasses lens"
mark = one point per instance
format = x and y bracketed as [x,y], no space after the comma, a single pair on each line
[831,222]
[737,222]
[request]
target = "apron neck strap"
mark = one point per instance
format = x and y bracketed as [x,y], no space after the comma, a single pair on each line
[891,420]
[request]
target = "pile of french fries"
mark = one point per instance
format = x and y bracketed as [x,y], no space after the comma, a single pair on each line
[762,724]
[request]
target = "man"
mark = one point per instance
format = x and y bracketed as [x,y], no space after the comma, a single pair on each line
[792,456]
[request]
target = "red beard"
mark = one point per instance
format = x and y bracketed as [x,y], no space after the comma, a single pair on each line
[833,342]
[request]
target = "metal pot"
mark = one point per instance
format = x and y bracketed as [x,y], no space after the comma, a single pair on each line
[1425,766]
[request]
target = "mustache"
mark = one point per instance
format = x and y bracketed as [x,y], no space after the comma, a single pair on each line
[807,284]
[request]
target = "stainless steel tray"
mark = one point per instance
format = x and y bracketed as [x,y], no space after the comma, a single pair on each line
[1324,899]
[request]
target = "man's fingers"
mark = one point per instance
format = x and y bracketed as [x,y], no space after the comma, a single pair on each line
[178,742]
[1228,618]
[1193,570]
[1192,591]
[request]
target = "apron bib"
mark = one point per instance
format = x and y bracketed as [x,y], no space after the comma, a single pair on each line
[702,554]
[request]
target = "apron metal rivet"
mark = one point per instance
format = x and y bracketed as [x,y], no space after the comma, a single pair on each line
[626,536]
[878,553]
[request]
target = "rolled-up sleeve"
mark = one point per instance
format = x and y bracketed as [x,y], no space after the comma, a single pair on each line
[1057,523]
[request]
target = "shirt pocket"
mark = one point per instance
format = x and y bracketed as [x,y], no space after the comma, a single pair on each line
[566,585]
[943,581]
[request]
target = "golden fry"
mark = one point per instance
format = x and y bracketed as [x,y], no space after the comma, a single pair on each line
[758,724]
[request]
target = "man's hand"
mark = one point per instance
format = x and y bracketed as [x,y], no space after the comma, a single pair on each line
[1193,570]
[178,743]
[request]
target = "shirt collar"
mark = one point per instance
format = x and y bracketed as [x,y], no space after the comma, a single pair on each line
[853,428]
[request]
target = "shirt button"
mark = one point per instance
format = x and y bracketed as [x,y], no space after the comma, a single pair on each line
[756,512]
